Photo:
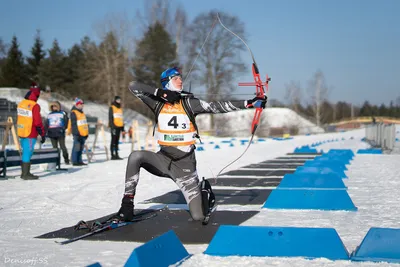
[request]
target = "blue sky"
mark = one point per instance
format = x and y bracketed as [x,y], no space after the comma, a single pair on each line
[356,43]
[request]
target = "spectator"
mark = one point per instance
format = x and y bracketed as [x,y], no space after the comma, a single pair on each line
[56,125]
[29,125]
[80,132]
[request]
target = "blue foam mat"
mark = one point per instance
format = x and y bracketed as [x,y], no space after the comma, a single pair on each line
[379,244]
[312,180]
[321,170]
[162,251]
[310,199]
[264,241]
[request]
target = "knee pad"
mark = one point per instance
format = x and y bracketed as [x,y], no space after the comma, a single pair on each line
[207,196]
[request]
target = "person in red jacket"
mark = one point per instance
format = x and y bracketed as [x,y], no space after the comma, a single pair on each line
[29,126]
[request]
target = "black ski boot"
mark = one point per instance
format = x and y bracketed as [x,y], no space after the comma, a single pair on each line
[26,172]
[117,157]
[207,196]
[126,212]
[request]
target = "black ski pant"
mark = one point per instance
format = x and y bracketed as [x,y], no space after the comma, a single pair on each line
[55,141]
[115,134]
[169,162]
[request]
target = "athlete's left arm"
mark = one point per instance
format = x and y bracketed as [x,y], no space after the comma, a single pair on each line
[200,107]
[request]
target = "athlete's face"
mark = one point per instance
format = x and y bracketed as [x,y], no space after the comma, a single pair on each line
[177,82]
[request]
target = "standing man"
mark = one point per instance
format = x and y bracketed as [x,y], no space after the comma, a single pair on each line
[56,125]
[29,126]
[80,132]
[116,123]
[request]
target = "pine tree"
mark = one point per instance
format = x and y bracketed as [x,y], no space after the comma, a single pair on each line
[37,56]
[382,111]
[73,67]
[366,109]
[52,69]
[3,53]
[155,53]
[13,71]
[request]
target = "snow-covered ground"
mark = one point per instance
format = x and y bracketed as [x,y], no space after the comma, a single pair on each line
[57,200]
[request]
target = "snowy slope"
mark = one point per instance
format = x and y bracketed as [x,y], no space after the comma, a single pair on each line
[57,200]
[239,122]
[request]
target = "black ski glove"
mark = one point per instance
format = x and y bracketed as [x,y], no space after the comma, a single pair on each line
[257,102]
[168,96]
[43,139]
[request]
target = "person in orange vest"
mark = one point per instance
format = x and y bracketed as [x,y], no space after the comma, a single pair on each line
[116,123]
[29,126]
[175,111]
[79,130]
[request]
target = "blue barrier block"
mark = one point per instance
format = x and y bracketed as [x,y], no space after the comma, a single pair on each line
[334,165]
[334,158]
[342,151]
[321,170]
[162,251]
[211,142]
[216,147]
[310,199]
[370,151]
[379,244]
[96,264]
[261,140]
[268,241]
[312,180]
[305,150]
[200,148]
[231,144]
[226,141]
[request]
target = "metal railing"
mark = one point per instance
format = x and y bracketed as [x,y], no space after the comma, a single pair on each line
[381,135]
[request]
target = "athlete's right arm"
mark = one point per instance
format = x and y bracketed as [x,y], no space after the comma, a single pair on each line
[145,93]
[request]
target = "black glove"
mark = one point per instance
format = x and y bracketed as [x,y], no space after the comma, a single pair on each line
[168,96]
[43,139]
[257,102]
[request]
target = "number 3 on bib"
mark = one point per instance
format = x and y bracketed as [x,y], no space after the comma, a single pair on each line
[174,123]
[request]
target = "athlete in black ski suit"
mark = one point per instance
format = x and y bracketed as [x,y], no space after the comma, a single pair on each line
[175,112]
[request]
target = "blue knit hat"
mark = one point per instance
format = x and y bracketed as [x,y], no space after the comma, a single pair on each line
[78,101]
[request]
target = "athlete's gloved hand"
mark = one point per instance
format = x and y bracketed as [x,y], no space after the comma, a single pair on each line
[168,96]
[43,139]
[257,102]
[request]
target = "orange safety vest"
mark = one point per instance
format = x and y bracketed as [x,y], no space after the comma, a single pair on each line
[118,116]
[69,128]
[25,117]
[81,122]
[174,126]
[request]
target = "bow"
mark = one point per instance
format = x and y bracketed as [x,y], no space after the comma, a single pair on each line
[260,92]
[261,87]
